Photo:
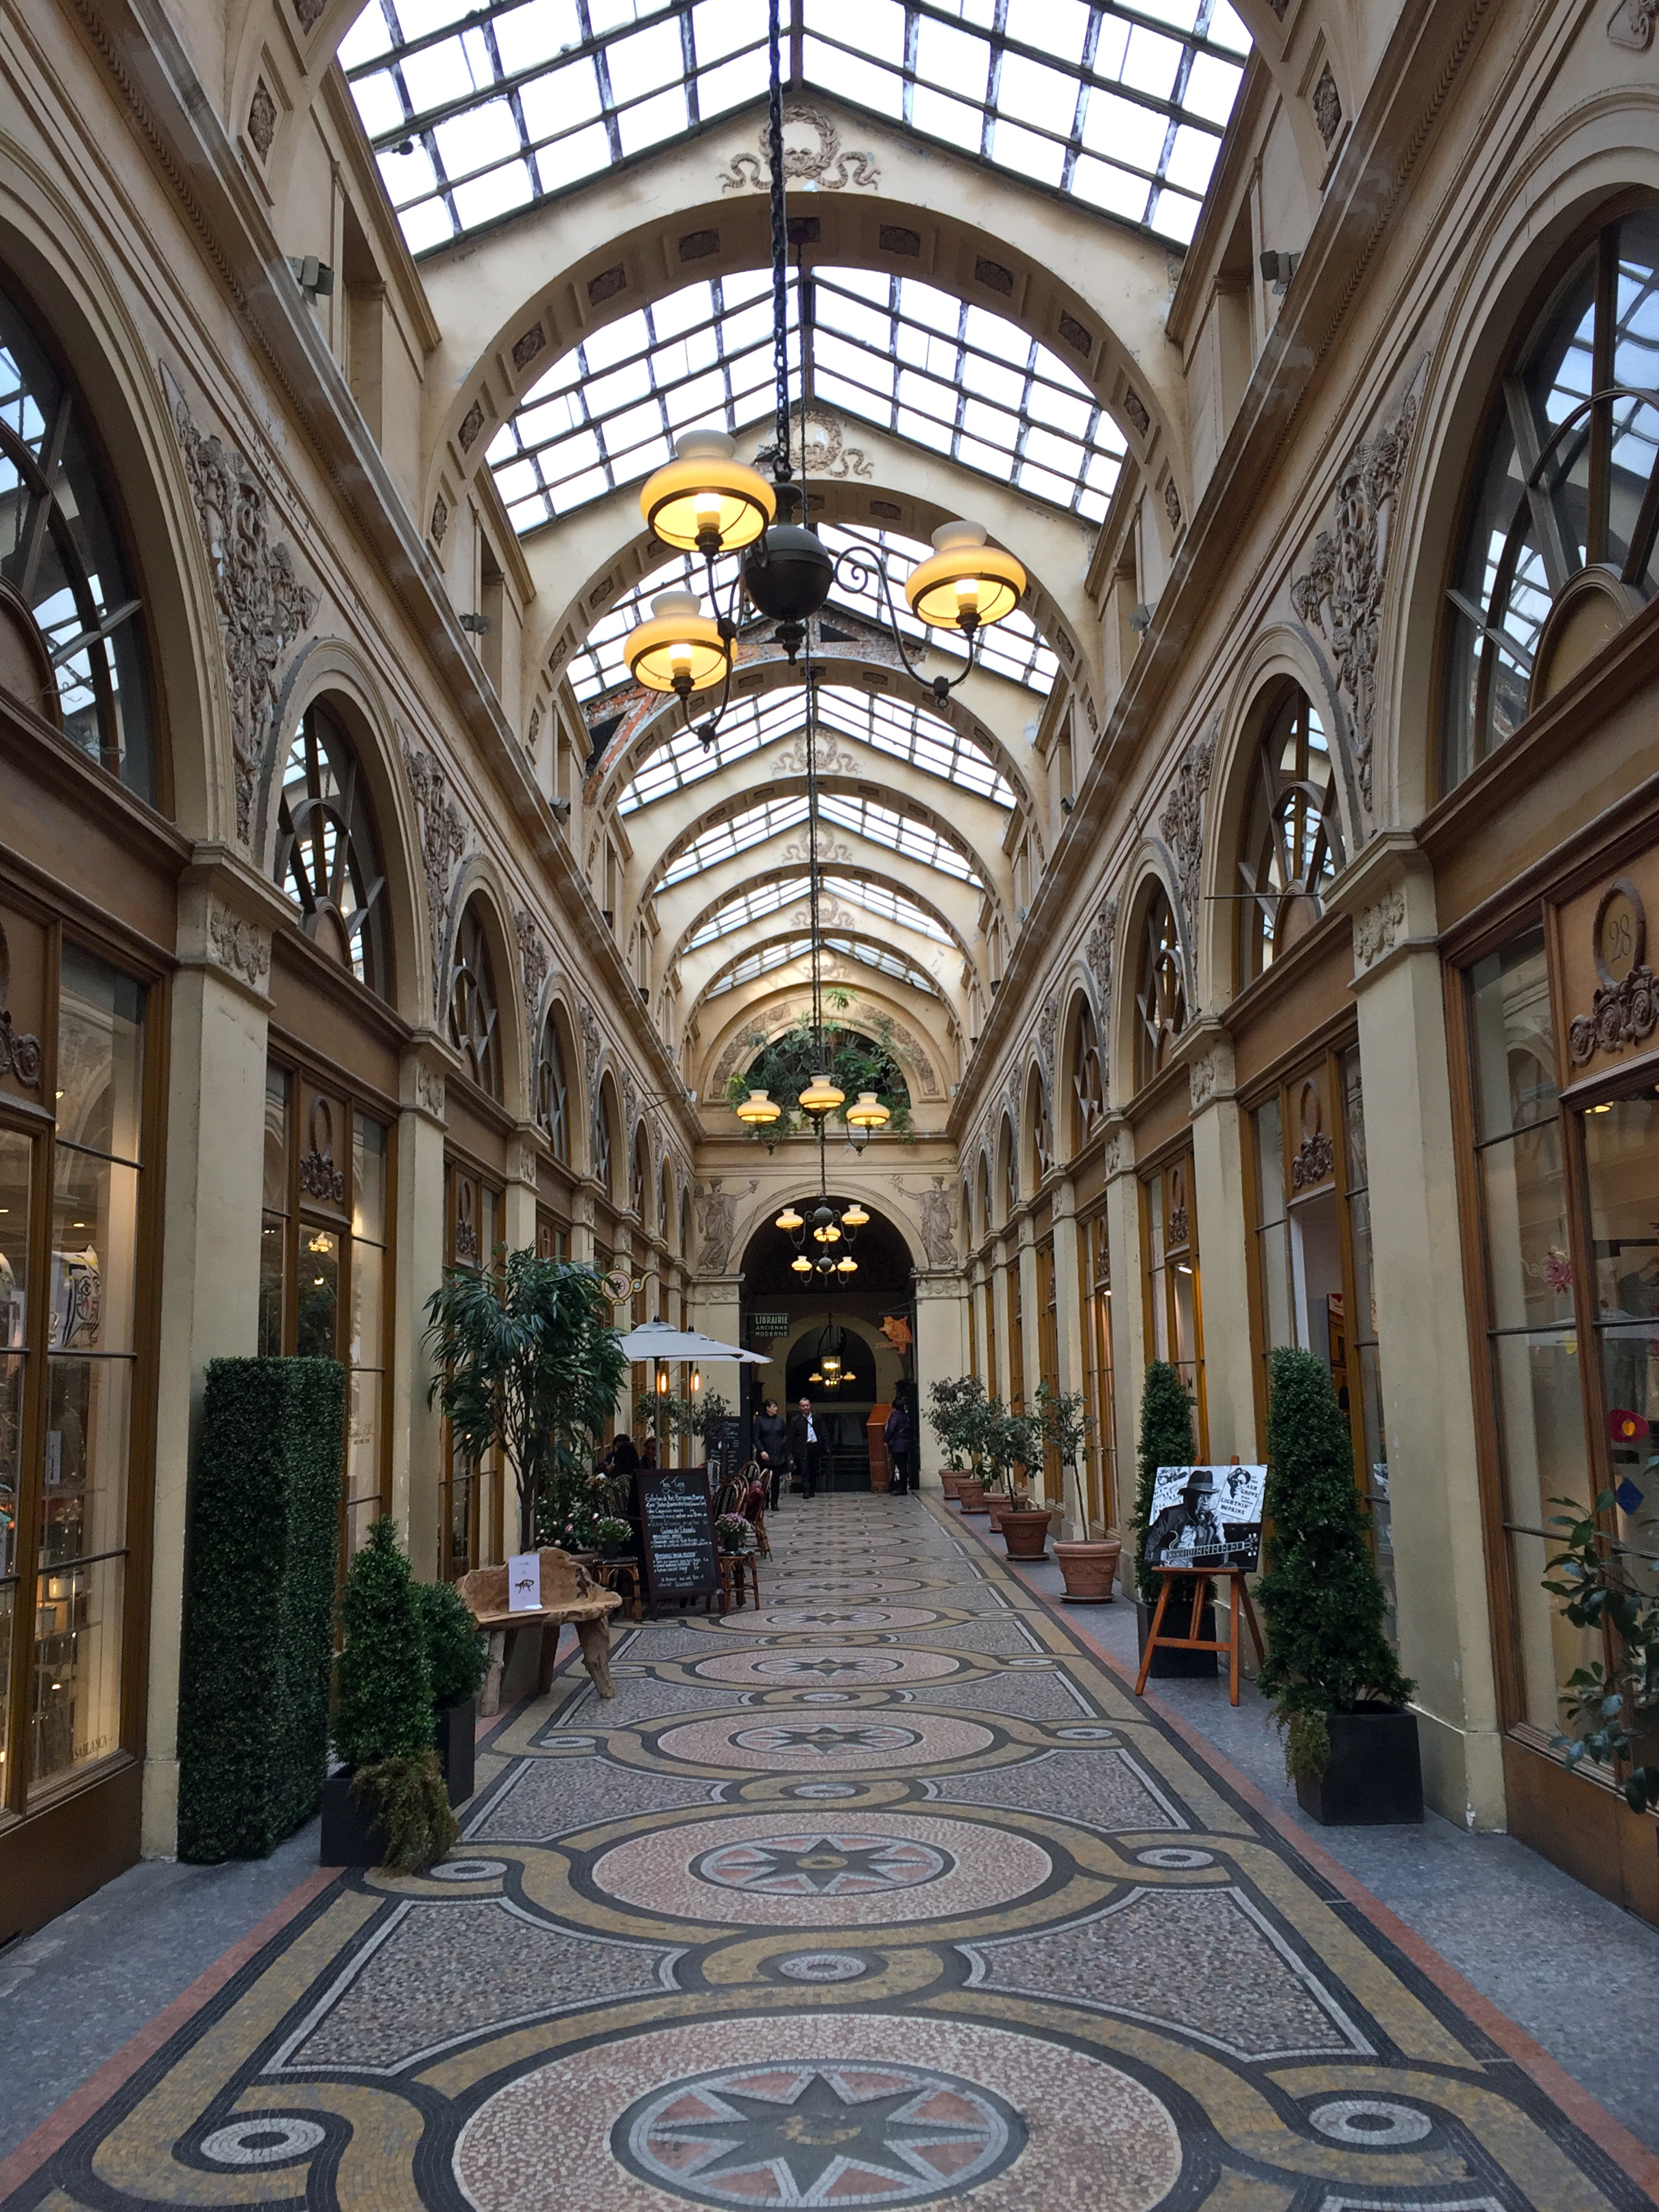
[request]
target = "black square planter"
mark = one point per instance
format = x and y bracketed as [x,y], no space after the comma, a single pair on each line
[1375,1779]
[350,1838]
[1178,1665]
[456,1727]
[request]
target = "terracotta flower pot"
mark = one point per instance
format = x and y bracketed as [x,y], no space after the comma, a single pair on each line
[1090,1570]
[1026,1532]
[950,1483]
[971,1496]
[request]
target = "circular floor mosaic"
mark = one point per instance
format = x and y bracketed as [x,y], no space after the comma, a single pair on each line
[847,2109]
[856,1667]
[776,1870]
[840,1586]
[817,1743]
[801,1620]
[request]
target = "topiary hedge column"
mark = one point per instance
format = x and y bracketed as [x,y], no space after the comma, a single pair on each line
[258,1633]
[1166,1440]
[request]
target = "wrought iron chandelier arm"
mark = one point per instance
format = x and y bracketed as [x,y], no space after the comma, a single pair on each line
[855,567]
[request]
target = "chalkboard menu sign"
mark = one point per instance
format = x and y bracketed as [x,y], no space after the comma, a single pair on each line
[722,1444]
[677,1525]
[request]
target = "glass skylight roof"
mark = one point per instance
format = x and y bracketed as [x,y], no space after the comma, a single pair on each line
[743,907]
[1012,647]
[475,111]
[723,840]
[749,726]
[756,965]
[753,965]
[883,827]
[918,362]
[889,964]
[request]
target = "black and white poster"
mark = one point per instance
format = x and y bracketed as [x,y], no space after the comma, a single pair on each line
[1206,1516]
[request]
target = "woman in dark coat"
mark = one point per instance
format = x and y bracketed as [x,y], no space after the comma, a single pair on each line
[899,1435]
[772,1447]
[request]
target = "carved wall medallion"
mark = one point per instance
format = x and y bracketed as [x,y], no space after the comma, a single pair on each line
[471,424]
[1135,407]
[20,1051]
[1377,929]
[443,842]
[318,1176]
[1097,959]
[533,965]
[825,452]
[1631,24]
[1182,824]
[1341,594]
[894,238]
[822,163]
[1172,502]
[262,605]
[1314,1161]
[1625,1007]
[1079,339]
[1112,1157]
[995,276]
[593,1043]
[1048,1037]
[1204,1079]
[440,518]
[525,348]
[262,119]
[1327,106]
[310,13]
[523,1164]
[698,244]
[717,1222]
[534,729]
[239,945]
[606,285]
[429,1090]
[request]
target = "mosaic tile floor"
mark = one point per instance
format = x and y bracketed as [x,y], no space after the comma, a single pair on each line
[888,1894]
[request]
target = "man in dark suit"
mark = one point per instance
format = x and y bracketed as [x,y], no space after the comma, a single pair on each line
[806,1447]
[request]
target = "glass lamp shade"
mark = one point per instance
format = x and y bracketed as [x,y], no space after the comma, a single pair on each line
[967,584]
[855,1216]
[705,500]
[802,1265]
[867,1112]
[677,646]
[847,1266]
[815,1377]
[757,1111]
[821,1096]
[788,1219]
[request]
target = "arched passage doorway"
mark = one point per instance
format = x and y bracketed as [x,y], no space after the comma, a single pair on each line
[798,1321]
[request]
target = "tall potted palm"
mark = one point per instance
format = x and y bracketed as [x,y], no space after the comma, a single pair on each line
[1088,1565]
[528,1362]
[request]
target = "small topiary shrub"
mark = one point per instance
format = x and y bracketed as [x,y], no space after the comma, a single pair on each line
[457,1652]
[1320,1597]
[1166,1440]
[383,1719]
[258,1628]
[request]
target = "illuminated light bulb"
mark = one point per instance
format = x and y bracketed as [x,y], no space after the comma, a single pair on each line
[678,647]
[847,1266]
[855,1216]
[788,1219]
[705,500]
[821,1096]
[966,584]
[757,1111]
[866,1112]
[801,1265]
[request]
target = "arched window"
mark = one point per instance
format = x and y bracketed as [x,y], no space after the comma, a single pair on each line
[639,1172]
[1558,544]
[1009,1150]
[1292,840]
[327,859]
[603,1145]
[553,1092]
[1160,989]
[665,1198]
[1043,1128]
[1088,1075]
[76,650]
[984,1195]
[473,1005]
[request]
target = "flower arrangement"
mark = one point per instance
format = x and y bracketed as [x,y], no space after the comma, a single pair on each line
[733,1534]
[611,1533]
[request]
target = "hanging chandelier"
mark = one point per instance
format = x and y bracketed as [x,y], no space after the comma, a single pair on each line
[705,501]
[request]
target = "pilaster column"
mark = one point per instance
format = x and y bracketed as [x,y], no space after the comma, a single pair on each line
[523,1182]
[1445,1627]
[1069,1320]
[416,1427]
[716,1310]
[1129,1351]
[581,1221]
[1223,1245]
[941,1351]
[218,1017]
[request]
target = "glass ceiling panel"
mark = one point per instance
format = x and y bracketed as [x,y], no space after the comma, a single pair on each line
[476,111]
[889,964]
[883,827]
[755,964]
[918,362]
[755,905]
[1012,647]
[891,905]
[724,840]
[748,906]
[751,725]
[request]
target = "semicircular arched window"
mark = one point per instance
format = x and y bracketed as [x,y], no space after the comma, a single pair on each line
[553,1092]
[1558,546]
[1088,1075]
[639,1173]
[71,640]
[473,1006]
[1043,1129]
[1292,840]
[326,858]
[1160,989]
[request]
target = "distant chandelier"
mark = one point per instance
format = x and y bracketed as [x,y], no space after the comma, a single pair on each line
[705,501]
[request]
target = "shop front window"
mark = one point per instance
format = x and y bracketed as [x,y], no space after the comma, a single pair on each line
[1101,1451]
[472,1530]
[1621,1181]
[1174,1318]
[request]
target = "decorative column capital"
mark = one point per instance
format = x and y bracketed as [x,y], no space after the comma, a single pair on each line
[228,919]
[427,1064]
[1388,893]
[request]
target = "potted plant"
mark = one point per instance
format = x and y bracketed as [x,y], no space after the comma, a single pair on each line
[528,1360]
[389,1806]
[1167,1440]
[1016,1446]
[1088,1566]
[733,1534]
[951,1411]
[1350,1742]
[613,1535]
[457,1656]
[1616,1709]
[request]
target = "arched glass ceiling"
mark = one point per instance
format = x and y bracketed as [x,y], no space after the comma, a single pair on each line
[476,111]
[754,965]
[882,826]
[745,907]
[918,362]
[898,727]
[722,840]
[1012,647]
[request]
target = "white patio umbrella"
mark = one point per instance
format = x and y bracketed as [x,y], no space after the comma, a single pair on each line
[655,1340]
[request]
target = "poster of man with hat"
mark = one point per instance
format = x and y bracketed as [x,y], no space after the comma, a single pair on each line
[1206,1516]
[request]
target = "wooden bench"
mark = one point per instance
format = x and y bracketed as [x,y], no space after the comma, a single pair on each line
[569,1592]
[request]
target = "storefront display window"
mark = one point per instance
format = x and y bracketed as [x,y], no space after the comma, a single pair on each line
[1173,1316]
[472,1495]
[1101,1451]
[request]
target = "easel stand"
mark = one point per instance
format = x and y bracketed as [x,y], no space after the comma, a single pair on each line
[1240,1597]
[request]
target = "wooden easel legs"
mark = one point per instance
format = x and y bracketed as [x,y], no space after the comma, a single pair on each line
[1239,1597]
